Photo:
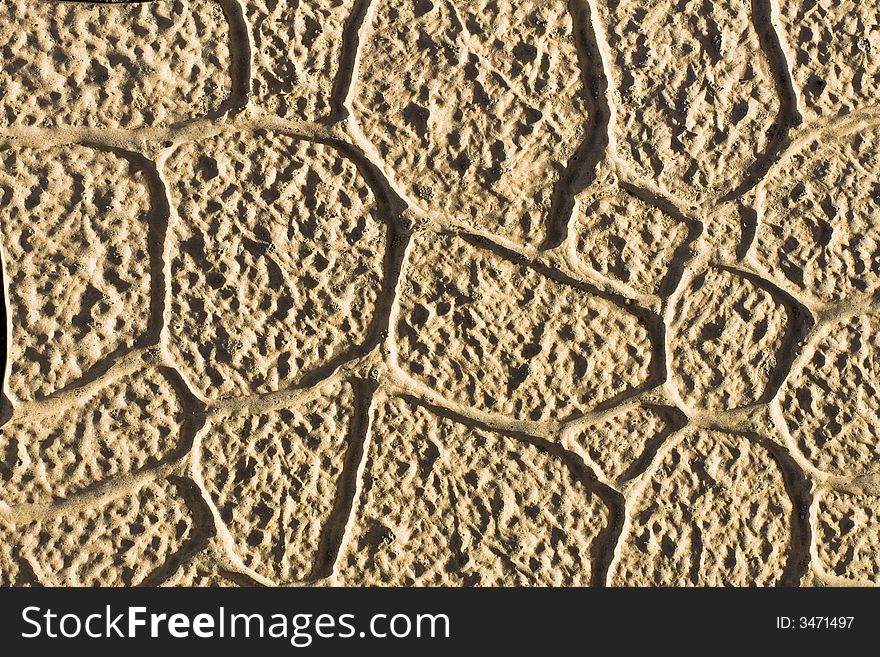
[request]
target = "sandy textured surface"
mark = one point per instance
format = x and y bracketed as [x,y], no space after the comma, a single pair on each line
[362,292]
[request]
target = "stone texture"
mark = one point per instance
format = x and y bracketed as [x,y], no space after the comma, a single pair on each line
[118,543]
[724,338]
[848,536]
[273,478]
[618,443]
[296,52]
[818,228]
[624,238]
[277,260]
[480,123]
[830,404]
[75,230]
[694,94]
[713,512]
[500,337]
[445,504]
[135,63]
[834,50]
[127,426]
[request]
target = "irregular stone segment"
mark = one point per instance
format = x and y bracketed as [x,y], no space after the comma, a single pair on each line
[725,335]
[714,512]
[75,229]
[120,65]
[617,443]
[620,236]
[694,94]
[444,504]
[274,477]
[297,48]
[119,543]
[818,225]
[498,336]
[479,124]
[127,426]
[277,260]
[831,405]
[848,536]
[834,54]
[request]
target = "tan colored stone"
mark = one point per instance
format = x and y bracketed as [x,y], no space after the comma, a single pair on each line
[129,425]
[444,504]
[834,51]
[479,123]
[274,479]
[724,338]
[831,405]
[276,260]
[694,94]
[124,65]
[75,229]
[296,53]
[713,512]
[118,543]
[500,337]
[847,536]
[818,225]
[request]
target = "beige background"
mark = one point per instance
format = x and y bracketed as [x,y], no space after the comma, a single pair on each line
[444,292]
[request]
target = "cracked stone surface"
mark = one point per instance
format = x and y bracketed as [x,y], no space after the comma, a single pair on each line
[713,512]
[444,504]
[297,49]
[831,404]
[619,443]
[481,122]
[626,239]
[724,339]
[273,478]
[558,352]
[75,230]
[834,52]
[144,63]
[693,90]
[848,536]
[362,292]
[277,257]
[129,425]
[121,542]
[818,228]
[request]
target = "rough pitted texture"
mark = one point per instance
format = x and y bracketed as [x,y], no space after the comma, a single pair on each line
[75,231]
[129,425]
[11,571]
[254,251]
[277,257]
[491,334]
[618,443]
[621,236]
[481,120]
[818,228]
[714,512]
[693,110]
[848,536]
[834,50]
[117,543]
[724,338]
[143,63]
[444,504]
[200,571]
[297,46]
[831,404]
[273,478]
